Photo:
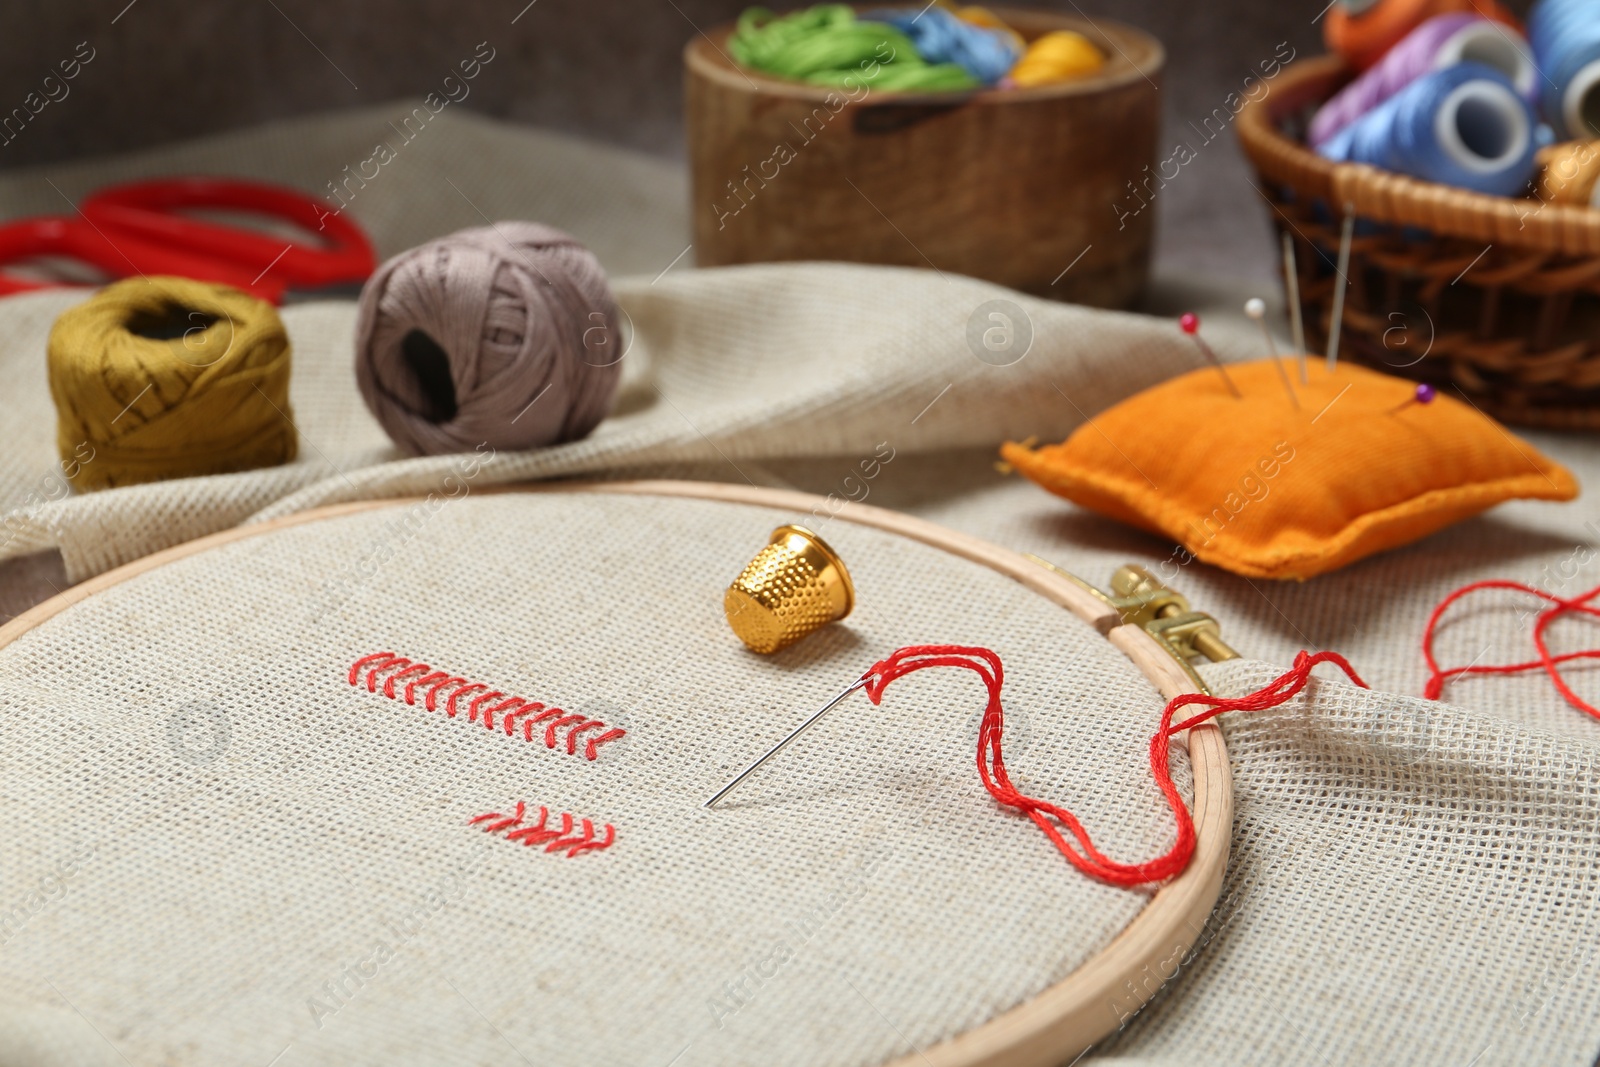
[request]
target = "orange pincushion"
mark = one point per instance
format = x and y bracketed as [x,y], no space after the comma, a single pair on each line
[1267,490]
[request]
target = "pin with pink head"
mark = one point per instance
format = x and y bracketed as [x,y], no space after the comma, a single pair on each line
[1189,323]
[1425,394]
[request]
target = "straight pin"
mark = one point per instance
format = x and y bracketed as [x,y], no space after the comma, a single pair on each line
[773,751]
[1424,394]
[1291,286]
[1346,232]
[1189,323]
[1256,308]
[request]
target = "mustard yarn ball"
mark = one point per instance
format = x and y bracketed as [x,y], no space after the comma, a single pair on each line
[160,377]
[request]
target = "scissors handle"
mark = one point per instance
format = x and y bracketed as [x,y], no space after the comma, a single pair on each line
[120,256]
[153,211]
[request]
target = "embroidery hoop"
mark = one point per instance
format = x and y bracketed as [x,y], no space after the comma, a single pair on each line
[1073,1014]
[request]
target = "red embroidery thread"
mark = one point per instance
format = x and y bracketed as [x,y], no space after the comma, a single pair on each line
[1559,606]
[541,833]
[395,668]
[1051,818]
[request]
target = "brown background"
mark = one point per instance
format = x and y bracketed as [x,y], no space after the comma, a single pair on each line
[605,69]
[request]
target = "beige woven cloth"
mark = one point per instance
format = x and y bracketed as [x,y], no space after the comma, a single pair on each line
[1412,882]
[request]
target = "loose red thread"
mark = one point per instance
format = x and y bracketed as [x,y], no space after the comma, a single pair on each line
[541,833]
[992,769]
[483,707]
[1437,677]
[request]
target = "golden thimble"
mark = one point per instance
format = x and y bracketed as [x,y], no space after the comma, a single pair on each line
[795,585]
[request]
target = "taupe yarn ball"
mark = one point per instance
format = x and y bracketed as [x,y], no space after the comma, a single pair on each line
[505,335]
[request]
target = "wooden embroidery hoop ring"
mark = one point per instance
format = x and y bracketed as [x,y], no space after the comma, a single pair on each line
[1090,1003]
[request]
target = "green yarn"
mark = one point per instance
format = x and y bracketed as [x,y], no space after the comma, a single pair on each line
[828,45]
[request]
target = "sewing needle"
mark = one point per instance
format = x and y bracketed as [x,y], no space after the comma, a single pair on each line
[725,790]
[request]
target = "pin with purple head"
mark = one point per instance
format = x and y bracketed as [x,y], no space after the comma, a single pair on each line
[1424,394]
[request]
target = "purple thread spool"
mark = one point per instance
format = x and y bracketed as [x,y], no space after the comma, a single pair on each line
[1440,42]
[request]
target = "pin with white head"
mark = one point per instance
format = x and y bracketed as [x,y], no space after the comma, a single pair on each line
[1256,308]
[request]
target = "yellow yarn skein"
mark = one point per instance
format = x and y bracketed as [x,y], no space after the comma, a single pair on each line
[1056,57]
[169,378]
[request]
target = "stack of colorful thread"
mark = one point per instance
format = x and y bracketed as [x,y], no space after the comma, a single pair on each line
[1448,92]
[1450,103]
[1565,35]
[908,49]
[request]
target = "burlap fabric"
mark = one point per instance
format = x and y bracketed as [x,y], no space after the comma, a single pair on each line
[1411,882]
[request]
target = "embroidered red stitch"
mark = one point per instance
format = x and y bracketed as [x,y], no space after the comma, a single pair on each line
[450,708]
[446,678]
[605,842]
[572,735]
[388,686]
[533,835]
[509,720]
[402,677]
[596,742]
[411,688]
[356,669]
[542,834]
[392,663]
[528,725]
[509,706]
[550,733]
[477,702]
[504,822]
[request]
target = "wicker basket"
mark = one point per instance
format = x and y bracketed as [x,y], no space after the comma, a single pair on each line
[1497,297]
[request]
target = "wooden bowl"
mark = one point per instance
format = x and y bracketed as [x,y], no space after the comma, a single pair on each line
[1012,186]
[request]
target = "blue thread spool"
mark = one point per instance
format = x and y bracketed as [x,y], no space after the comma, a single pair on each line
[1463,126]
[1565,35]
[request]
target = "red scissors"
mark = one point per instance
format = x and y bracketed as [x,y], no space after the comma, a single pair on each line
[142,228]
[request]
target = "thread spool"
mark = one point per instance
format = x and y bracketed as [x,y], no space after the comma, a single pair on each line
[505,335]
[1565,35]
[827,45]
[169,378]
[1361,32]
[1463,126]
[1570,173]
[1440,42]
